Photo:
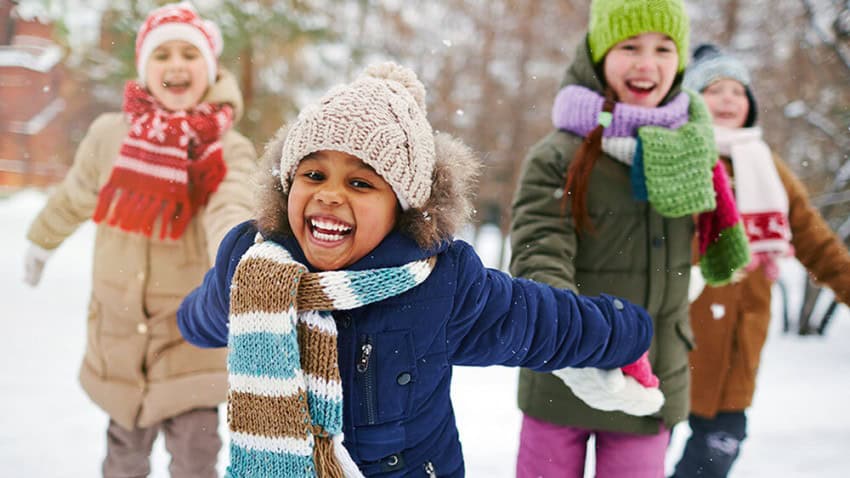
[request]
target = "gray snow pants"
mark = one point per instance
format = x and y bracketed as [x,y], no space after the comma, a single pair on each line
[191,439]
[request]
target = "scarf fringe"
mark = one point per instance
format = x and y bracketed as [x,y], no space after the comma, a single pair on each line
[349,468]
[324,457]
[137,212]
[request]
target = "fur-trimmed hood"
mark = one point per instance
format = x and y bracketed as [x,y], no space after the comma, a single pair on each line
[448,208]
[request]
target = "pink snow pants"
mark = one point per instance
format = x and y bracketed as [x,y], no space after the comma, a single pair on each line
[555,451]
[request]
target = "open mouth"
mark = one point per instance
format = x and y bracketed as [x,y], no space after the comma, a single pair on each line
[326,229]
[176,86]
[726,115]
[640,87]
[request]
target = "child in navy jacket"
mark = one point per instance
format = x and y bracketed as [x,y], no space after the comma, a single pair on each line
[349,285]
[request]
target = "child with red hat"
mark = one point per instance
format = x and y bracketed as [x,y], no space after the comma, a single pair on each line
[164,180]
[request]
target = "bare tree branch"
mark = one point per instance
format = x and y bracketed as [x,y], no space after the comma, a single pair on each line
[824,36]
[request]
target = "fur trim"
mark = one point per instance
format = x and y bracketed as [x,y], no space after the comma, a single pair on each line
[447,209]
[270,200]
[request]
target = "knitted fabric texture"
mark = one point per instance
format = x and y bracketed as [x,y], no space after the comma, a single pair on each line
[641,370]
[178,21]
[612,21]
[677,163]
[721,238]
[381,119]
[674,166]
[168,165]
[760,196]
[285,403]
[711,64]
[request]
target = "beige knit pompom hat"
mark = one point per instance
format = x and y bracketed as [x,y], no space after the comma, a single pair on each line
[379,118]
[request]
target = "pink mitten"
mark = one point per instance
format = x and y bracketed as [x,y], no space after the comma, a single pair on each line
[641,371]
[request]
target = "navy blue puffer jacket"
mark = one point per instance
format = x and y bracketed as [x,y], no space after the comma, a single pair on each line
[398,416]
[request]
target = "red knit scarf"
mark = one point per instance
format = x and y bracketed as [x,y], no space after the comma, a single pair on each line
[168,166]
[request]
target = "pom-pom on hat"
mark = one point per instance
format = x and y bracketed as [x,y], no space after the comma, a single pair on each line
[612,21]
[178,21]
[381,119]
[711,64]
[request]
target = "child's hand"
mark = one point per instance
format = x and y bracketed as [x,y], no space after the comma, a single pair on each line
[34,263]
[641,370]
[612,390]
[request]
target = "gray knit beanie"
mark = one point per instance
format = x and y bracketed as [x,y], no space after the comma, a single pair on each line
[710,64]
[379,118]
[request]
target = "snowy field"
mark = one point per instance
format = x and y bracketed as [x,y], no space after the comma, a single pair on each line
[799,423]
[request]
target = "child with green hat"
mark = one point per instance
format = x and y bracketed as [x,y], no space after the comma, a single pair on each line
[609,203]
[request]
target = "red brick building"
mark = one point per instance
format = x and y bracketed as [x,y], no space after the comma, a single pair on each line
[33,129]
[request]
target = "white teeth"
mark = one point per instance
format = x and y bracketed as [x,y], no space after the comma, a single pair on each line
[327,237]
[329,226]
[642,84]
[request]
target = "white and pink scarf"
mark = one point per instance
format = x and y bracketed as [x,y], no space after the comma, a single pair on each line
[760,195]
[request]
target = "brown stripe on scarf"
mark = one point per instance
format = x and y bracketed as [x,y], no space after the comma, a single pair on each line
[311,294]
[264,275]
[318,358]
[269,416]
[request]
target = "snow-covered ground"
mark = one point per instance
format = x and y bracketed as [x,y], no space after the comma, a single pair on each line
[799,423]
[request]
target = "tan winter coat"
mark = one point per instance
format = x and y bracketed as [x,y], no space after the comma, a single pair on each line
[726,358]
[137,367]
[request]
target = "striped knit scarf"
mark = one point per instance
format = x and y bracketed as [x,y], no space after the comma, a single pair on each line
[284,405]
[168,165]
[760,195]
[674,166]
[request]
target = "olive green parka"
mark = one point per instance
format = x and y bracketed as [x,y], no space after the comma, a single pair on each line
[632,252]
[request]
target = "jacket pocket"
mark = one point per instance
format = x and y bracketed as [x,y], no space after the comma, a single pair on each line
[385,374]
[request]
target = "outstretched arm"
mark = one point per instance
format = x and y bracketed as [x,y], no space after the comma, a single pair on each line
[500,320]
[816,246]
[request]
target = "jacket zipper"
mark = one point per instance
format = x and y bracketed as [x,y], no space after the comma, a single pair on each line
[368,382]
[429,470]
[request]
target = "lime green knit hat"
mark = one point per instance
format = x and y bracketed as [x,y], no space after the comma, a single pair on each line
[612,21]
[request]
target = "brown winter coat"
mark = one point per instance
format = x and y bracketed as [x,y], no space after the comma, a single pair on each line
[137,367]
[726,358]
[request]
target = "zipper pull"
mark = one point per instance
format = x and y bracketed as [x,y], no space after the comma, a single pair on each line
[365,353]
[429,469]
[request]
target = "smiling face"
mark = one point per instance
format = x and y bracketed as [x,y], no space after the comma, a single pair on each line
[641,69]
[176,75]
[339,209]
[728,103]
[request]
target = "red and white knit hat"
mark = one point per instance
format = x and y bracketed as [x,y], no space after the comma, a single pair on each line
[178,21]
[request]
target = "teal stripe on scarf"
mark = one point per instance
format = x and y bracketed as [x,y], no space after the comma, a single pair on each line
[328,412]
[381,283]
[264,354]
[266,464]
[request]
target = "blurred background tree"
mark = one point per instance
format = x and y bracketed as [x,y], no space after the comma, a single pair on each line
[492,69]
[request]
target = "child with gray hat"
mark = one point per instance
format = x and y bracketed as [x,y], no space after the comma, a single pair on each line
[730,322]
